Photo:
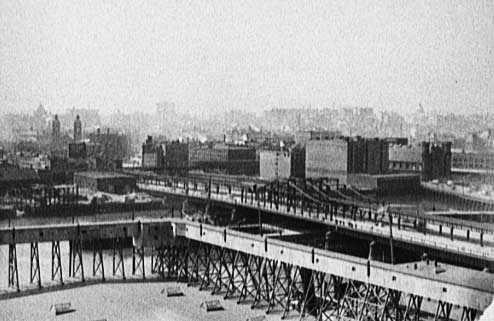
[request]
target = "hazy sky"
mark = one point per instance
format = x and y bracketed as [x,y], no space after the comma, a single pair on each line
[131,54]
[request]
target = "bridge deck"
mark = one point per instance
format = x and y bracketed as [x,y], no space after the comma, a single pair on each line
[440,242]
[473,289]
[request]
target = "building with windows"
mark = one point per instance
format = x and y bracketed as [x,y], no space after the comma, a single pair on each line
[223,158]
[430,160]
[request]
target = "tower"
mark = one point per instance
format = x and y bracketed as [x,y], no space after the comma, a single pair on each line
[55,129]
[77,129]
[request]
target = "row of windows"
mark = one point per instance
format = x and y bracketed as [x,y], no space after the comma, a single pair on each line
[405,166]
[474,163]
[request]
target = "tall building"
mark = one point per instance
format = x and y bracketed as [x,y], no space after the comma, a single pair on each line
[77,129]
[55,129]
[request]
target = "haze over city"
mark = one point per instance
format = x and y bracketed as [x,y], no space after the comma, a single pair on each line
[212,56]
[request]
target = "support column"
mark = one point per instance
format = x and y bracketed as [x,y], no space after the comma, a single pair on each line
[98,265]
[35,274]
[76,265]
[138,250]
[13,272]
[118,259]
[138,260]
[56,262]
[412,311]
[468,314]
[443,311]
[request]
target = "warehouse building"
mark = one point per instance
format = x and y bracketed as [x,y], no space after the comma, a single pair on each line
[342,156]
[223,158]
[274,164]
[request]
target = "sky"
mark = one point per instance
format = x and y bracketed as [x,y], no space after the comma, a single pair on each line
[250,55]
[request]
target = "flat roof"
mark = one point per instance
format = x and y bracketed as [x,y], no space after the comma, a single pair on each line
[96,175]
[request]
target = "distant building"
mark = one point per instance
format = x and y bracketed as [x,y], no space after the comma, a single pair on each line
[275,164]
[405,158]
[108,182]
[108,149]
[152,154]
[342,156]
[431,160]
[78,150]
[55,129]
[473,162]
[77,129]
[326,158]
[297,168]
[12,176]
[176,156]
[303,137]
[403,141]
[167,114]
[227,159]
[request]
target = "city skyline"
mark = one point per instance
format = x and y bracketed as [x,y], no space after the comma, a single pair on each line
[253,56]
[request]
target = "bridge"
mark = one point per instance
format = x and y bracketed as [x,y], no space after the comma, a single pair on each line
[275,274]
[323,202]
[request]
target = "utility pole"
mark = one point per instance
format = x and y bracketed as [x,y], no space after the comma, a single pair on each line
[391,236]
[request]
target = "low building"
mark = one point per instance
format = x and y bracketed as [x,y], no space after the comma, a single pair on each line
[430,160]
[405,159]
[109,182]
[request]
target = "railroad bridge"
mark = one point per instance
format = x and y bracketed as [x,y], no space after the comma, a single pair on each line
[325,203]
[264,271]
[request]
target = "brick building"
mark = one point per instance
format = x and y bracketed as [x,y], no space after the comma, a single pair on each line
[222,158]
